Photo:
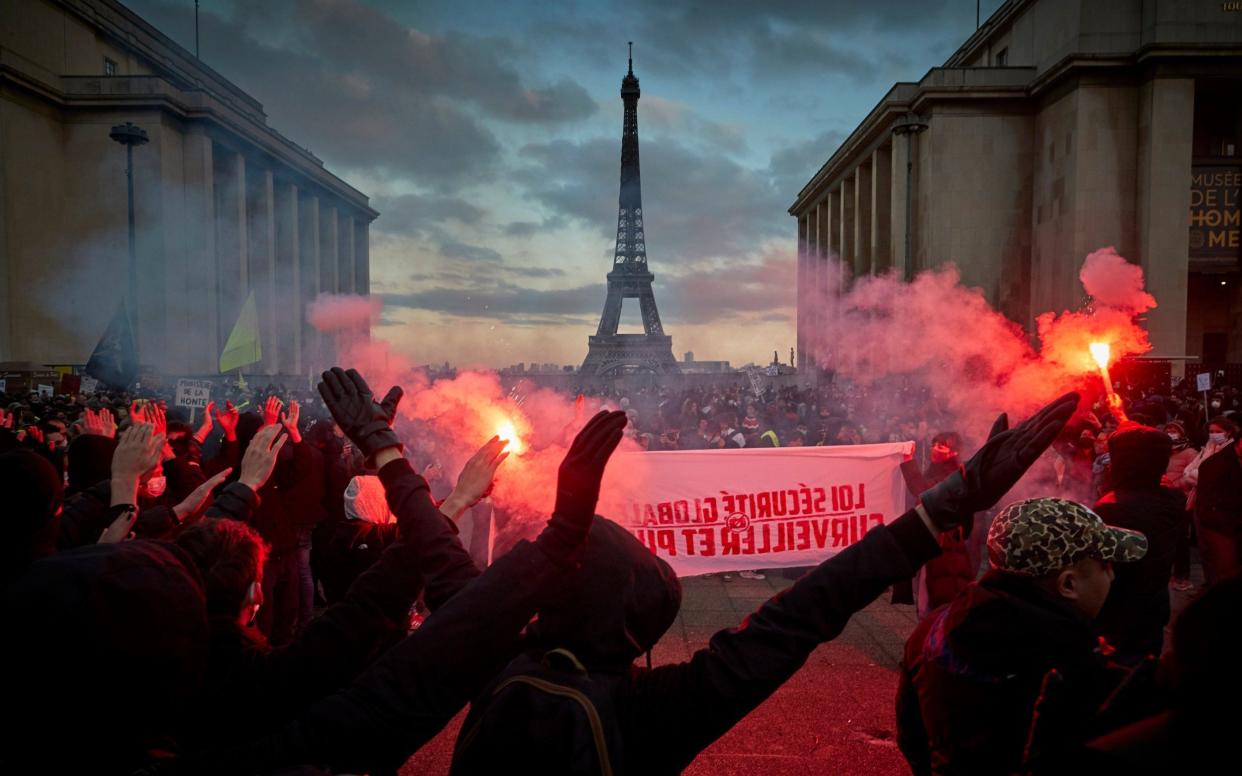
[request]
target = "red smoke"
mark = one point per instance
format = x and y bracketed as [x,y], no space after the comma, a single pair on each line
[977,362]
[450,419]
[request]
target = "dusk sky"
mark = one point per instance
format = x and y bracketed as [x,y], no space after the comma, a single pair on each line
[487,135]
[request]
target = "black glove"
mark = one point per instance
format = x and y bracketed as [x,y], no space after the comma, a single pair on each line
[1000,463]
[577,483]
[367,424]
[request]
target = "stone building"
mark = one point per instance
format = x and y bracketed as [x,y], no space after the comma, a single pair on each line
[1059,127]
[224,204]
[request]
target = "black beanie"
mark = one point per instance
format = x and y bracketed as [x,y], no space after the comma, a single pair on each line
[1139,456]
[90,461]
[33,495]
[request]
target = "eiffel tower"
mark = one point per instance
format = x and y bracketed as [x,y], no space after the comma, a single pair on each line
[611,353]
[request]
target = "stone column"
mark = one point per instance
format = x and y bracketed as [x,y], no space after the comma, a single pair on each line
[1166,135]
[288,279]
[345,254]
[362,257]
[862,219]
[261,212]
[308,258]
[328,247]
[847,243]
[197,333]
[232,260]
[881,209]
[897,207]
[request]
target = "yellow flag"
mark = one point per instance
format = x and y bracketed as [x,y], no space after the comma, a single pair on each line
[243,346]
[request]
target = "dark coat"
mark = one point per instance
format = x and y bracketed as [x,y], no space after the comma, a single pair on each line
[1137,609]
[669,714]
[253,689]
[972,672]
[1218,499]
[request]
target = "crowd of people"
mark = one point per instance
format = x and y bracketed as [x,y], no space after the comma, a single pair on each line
[275,587]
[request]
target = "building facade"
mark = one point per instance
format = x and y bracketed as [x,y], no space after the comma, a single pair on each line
[224,205]
[1059,127]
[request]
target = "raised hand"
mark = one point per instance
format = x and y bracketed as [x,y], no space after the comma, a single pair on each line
[6,419]
[107,423]
[366,422]
[289,419]
[476,478]
[998,465]
[121,528]
[137,452]
[271,411]
[228,421]
[578,481]
[260,458]
[155,413]
[196,502]
[137,413]
[204,427]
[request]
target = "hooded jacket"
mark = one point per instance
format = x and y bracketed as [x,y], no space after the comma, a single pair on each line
[1137,608]
[621,602]
[253,689]
[106,654]
[972,672]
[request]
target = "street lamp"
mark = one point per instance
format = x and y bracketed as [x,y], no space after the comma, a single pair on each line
[129,136]
[909,125]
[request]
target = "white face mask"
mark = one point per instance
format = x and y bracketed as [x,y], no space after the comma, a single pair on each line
[1216,439]
[156,486]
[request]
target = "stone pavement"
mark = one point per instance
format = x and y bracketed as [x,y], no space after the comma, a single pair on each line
[835,716]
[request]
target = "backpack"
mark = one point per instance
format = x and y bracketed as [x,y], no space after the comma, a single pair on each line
[543,714]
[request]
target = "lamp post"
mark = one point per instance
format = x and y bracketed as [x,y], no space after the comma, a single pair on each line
[909,125]
[129,136]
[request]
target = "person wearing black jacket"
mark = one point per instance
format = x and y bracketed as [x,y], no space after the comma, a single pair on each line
[974,669]
[1218,512]
[253,688]
[623,599]
[1137,609]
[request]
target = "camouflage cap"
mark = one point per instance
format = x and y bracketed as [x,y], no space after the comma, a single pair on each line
[1041,535]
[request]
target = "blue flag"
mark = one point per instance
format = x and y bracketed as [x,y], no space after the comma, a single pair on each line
[115,359]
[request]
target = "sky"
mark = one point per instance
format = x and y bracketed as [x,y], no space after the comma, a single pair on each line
[488,133]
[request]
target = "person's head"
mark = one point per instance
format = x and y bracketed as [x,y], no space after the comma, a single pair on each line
[614,606]
[90,461]
[1139,457]
[1177,435]
[230,555]
[946,447]
[751,411]
[116,632]
[34,492]
[1222,430]
[1063,547]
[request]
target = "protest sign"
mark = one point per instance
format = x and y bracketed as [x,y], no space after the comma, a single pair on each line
[728,510]
[193,393]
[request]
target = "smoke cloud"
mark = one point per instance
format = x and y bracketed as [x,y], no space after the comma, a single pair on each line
[938,334]
[447,420]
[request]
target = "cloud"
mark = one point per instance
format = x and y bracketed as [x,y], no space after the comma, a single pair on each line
[505,301]
[368,93]
[698,205]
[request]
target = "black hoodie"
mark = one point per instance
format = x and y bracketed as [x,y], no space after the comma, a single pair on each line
[972,672]
[624,598]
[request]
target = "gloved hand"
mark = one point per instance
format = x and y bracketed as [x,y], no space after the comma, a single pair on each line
[578,481]
[1000,463]
[367,424]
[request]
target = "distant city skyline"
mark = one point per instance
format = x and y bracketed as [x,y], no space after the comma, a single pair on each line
[490,143]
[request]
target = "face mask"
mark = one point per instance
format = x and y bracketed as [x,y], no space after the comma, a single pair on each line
[156,486]
[1216,439]
[1175,437]
[1215,405]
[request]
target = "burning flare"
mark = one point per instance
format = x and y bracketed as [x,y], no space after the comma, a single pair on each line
[1100,352]
[508,433]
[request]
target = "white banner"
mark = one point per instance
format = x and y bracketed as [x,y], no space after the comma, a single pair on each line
[193,393]
[730,510]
